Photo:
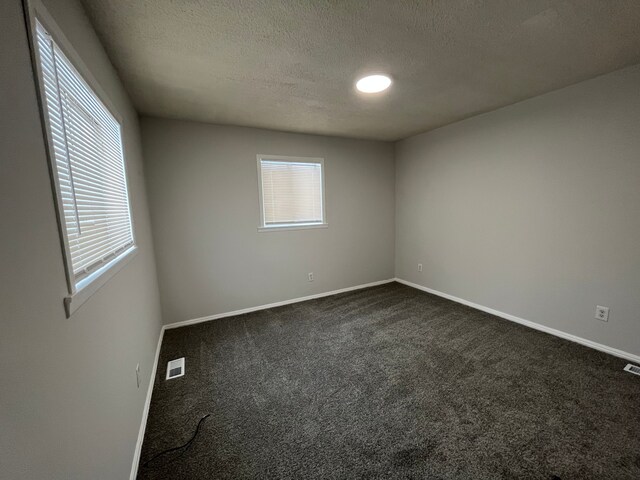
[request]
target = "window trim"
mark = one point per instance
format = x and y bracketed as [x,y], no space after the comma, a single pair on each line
[262,227]
[78,292]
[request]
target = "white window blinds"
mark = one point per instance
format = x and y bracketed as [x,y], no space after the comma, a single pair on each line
[291,192]
[89,163]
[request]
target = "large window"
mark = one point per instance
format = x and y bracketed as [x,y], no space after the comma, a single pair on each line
[85,144]
[291,192]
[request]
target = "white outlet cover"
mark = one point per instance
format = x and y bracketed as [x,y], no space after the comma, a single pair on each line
[602,313]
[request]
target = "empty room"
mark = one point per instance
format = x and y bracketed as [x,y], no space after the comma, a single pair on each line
[314,239]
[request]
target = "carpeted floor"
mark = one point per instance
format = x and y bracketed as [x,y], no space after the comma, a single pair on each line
[389,382]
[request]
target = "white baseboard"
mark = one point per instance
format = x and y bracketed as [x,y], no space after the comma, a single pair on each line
[528,323]
[276,304]
[145,411]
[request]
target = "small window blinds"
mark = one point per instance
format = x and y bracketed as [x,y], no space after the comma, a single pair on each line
[291,192]
[89,163]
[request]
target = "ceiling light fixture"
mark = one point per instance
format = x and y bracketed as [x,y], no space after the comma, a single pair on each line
[373,83]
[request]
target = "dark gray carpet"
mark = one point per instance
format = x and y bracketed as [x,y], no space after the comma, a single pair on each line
[390,382]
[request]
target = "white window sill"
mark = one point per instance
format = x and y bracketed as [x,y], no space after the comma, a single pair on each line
[90,285]
[301,226]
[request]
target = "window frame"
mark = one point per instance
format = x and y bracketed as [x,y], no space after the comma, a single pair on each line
[291,226]
[78,291]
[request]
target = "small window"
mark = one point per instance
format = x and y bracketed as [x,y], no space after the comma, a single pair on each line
[85,144]
[291,192]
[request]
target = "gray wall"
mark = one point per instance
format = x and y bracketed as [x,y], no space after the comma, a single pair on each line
[533,210]
[203,194]
[69,406]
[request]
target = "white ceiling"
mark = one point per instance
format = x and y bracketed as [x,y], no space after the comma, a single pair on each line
[291,65]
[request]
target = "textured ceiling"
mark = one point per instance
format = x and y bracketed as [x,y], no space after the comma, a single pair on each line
[291,65]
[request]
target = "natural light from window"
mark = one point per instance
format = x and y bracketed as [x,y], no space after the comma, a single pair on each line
[87,154]
[291,192]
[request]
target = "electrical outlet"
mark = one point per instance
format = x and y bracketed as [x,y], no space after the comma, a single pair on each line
[311,276]
[419,267]
[602,313]
[138,375]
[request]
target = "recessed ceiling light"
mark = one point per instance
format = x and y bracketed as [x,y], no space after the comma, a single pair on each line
[373,83]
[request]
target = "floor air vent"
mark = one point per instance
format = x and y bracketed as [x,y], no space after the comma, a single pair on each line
[632,368]
[175,368]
